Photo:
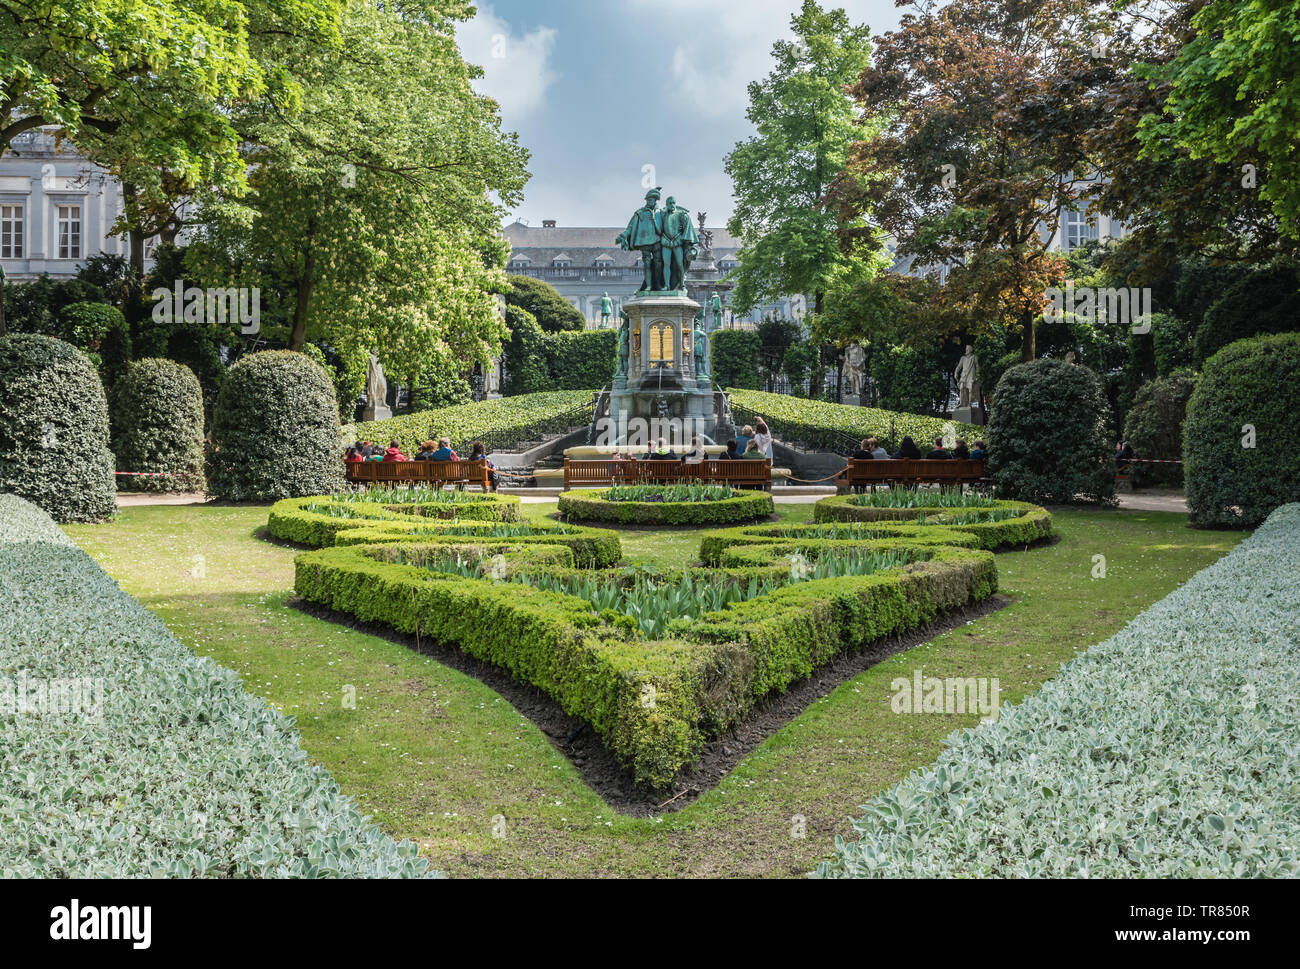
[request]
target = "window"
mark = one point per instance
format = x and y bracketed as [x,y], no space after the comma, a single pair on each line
[1079,227]
[69,222]
[11,231]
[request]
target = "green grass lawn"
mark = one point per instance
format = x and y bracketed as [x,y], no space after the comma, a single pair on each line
[436,756]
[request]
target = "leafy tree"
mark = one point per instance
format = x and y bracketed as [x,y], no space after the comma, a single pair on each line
[972,153]
[549,309]
[388,242]
[805,127]
[1230,95]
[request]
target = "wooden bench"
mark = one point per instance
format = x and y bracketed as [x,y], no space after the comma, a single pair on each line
[603,474]
[901,471]
[433,473]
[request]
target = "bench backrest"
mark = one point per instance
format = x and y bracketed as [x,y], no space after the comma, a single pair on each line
[607,472]
[432,472]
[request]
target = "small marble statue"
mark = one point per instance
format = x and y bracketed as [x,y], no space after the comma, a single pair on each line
[855,369]
[967,377]
[376,392]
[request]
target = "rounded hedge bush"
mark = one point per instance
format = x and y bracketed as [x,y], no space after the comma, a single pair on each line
[1154,426]
[594,506]
[156,416]
[1240,459]
[1049,438]
[54,429]
[275,430]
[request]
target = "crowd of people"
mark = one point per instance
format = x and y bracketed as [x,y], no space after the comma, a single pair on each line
[440,450]
[869,449]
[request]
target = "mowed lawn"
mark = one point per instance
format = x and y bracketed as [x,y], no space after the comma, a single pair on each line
[434,755]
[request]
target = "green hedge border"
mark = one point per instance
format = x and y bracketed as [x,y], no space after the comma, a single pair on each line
[1035,522]
[704,679]
[290,521]
[595,506]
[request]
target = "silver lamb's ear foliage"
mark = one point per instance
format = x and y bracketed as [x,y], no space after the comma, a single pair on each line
[1055,785]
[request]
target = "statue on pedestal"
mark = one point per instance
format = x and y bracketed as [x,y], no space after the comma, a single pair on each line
[606,310]
[643,233]
[967,377]
[715,311]
[623,345]
[855,369]
[376,392]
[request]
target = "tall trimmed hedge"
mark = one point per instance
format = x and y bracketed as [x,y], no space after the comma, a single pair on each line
[1235,477]
[54,429]
[1049,437]
[156,416]
[537,361]
[734,358]
[1154,426]
[275,430]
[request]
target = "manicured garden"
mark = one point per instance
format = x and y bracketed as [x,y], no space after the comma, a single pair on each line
[436,755]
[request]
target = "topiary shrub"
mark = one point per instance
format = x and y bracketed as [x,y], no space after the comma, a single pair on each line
[156,416]
[1239,456]
[1048,435]
[54,429]
[1154,426]
[275,430]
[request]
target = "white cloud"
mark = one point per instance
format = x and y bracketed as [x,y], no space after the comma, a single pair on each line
[719,48]
[517,70]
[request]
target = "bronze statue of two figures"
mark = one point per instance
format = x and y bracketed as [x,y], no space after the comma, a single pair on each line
[667,241]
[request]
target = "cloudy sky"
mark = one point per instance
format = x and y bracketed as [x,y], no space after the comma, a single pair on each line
[599,89]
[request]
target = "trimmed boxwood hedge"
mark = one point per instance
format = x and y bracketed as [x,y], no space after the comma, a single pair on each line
[705,677]
[1167,751]
[54,429]
[275,430]
[315,521]
[594,506]
[167,768]
[292,520]
[1250,382]
[1033,524]
[502,423]
[1049,435]
[156,415]
[822,425]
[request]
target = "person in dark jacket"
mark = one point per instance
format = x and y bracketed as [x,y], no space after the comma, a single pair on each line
[961,452]
[863,453]
[938,453]
[444,452]
[426,451]
[477,452]
[1123,455]
[908,450]
[731,453]
[981,452]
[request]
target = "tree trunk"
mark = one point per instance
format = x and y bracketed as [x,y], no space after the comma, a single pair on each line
[298,338]
[1027,348]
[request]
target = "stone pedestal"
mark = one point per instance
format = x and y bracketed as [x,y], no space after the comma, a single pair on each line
[851,400]
[376,411]
[968,415]
[662,394]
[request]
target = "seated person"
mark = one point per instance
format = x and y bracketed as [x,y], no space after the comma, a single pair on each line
[477,452]
[877,452]
[732,452]
[374,452]
[356,452]
[908,450]
[961,452]
[743,438]
[394,453]
[981,452]
[864,451]
[696,454]
[661,452]
[444,452]
[426,451]
[753,453]
[938,453]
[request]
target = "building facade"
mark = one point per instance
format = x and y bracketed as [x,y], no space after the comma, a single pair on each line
[56,208]
[584,263]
